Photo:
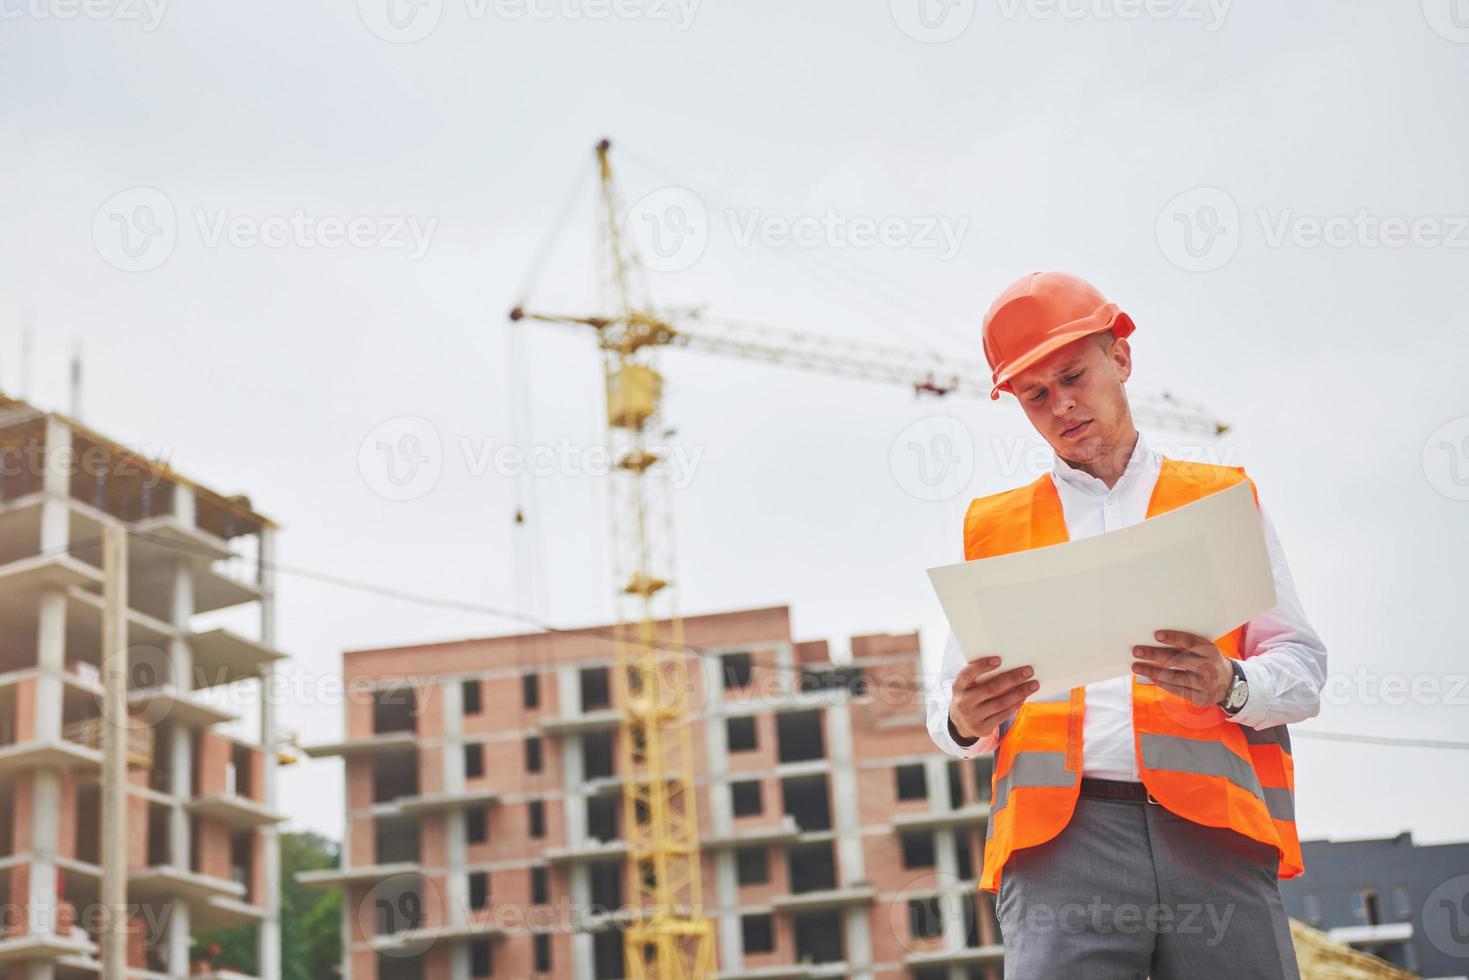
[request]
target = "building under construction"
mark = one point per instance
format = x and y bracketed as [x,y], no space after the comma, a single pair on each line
[484,833]
[198,808]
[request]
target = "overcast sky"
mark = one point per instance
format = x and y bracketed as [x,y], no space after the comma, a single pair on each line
[286,234]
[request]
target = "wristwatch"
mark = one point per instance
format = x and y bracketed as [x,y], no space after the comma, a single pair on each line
[1239,691]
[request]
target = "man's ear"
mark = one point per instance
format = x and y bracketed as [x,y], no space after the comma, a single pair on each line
[1120,354]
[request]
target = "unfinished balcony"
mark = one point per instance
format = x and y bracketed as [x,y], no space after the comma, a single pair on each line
[229,783]
[165,875]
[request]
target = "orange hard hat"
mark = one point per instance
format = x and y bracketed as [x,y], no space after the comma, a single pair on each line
[1039,315]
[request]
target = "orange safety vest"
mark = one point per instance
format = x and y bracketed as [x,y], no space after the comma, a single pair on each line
[1194,761]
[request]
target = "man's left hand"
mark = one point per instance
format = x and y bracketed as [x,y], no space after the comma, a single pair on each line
[1187,665]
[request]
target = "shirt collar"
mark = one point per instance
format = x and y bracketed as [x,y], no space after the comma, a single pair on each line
[1142,460]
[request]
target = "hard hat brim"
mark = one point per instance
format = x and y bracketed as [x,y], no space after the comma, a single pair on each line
[1107,317]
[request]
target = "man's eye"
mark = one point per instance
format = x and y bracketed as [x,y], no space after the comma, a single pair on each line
[1038,395]
[1074,378]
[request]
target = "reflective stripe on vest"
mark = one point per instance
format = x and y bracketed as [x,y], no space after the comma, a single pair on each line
[1212,758]
[1028,769]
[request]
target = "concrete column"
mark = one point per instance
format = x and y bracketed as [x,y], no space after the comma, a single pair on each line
[180,741]
[42,897]
[573,778]
[269,932]
[456,851]
[178,932]
[41,894]
[846,820]
[56,486]
[51,659]
[721,819]
[785,662]
[583,952]
[459,961]
[347,921]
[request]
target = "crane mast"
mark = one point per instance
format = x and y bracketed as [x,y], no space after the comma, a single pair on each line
[669,938]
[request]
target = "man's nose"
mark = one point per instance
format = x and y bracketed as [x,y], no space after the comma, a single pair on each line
[1061,407]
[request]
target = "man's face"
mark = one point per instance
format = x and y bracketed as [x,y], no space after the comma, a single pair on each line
[1075,400]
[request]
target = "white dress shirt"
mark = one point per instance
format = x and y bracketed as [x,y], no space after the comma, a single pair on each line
[1283,659]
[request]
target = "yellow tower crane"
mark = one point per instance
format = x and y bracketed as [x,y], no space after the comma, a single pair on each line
[670,939]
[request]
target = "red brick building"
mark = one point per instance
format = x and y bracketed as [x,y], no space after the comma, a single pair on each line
[483,810]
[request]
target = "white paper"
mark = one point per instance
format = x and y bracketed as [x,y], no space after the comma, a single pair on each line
[1074,611]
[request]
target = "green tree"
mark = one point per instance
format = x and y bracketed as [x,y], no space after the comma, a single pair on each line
[311,921]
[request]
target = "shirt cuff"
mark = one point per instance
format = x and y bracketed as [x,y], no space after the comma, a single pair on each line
[955,747]
[1257,705]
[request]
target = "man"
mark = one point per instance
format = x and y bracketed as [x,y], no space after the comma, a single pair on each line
[1137,825]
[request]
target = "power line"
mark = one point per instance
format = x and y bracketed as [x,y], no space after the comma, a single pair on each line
[1390,740]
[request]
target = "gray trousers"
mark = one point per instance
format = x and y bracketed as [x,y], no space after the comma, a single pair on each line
[1132,890]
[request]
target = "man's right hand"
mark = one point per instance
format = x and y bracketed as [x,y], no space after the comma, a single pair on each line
[980,703]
